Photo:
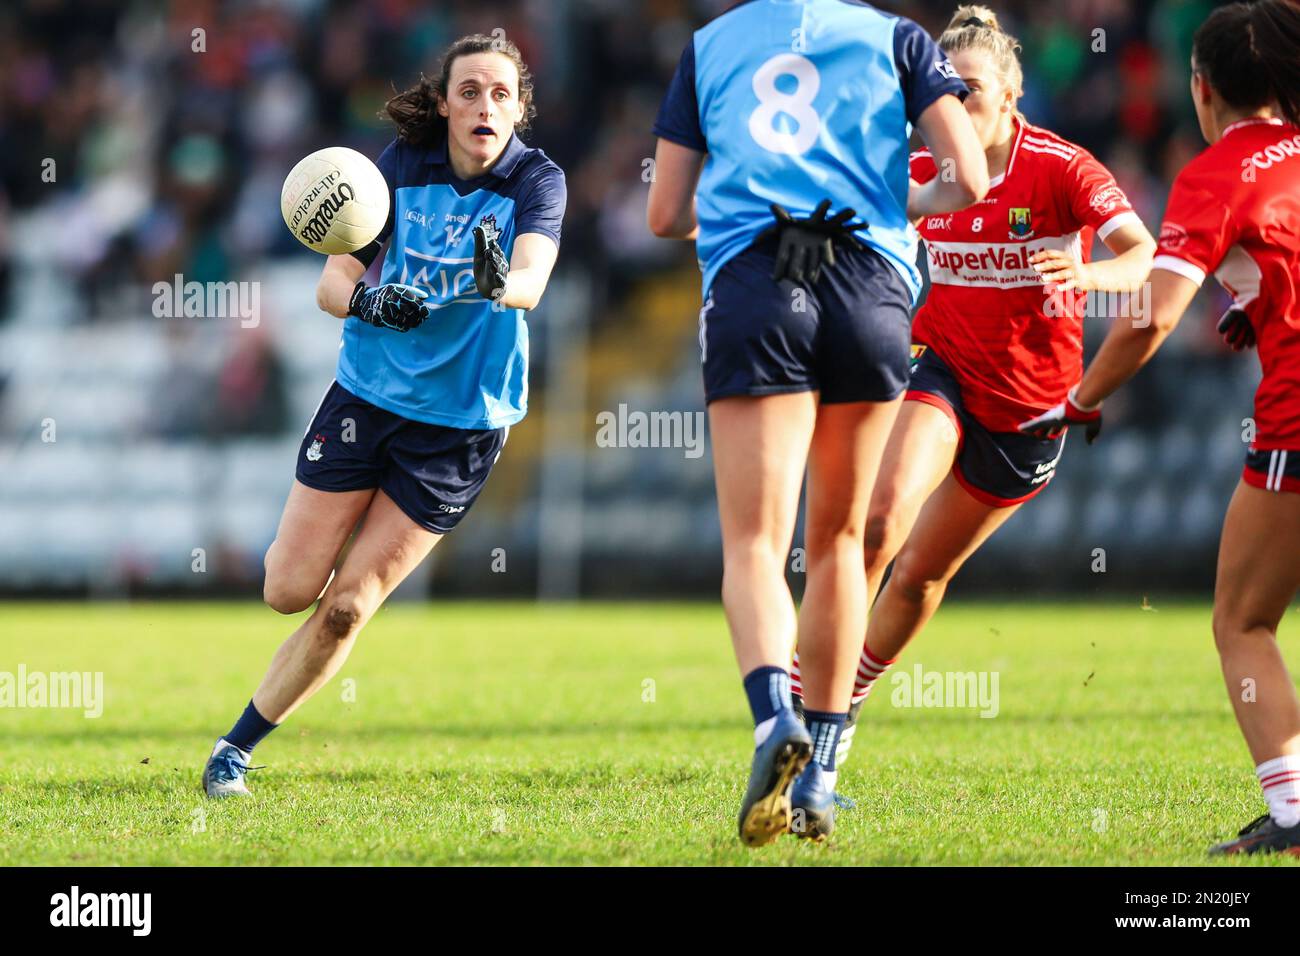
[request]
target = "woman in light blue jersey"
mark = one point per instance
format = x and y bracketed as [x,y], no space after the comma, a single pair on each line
[789,108]
[433,370]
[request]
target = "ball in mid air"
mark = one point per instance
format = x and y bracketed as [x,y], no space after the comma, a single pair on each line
[335,201]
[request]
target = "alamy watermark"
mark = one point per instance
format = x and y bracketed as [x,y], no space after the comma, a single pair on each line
[65,690]
[921,688]
[208,300]
[637,429]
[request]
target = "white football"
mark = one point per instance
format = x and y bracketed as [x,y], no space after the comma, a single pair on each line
[335,201]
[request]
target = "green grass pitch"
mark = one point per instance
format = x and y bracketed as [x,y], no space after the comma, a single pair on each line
[613,734]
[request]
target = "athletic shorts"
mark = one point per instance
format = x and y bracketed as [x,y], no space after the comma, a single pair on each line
[997,468]
[433,473]
[1272,470]
[846,337]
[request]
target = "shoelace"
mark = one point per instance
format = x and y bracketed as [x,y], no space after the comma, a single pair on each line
[843,802]
[228,765]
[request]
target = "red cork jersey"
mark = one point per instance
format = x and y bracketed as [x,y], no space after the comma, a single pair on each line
[1234,211]
[1014,348]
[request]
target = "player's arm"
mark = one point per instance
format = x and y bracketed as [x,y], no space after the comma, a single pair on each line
[670,211]
[1130,343]
[963,171]
[337,281]
[1134,248]
[531,260]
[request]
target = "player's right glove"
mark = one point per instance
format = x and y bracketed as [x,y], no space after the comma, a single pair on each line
[393,306]
[1052,422]
[1234,325]
[807,244]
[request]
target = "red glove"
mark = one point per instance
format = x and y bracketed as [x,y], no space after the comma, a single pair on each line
[1055,420]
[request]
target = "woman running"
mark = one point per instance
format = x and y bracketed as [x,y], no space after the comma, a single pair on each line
[804,332]
[1234,211]
[433,370]
[999,339]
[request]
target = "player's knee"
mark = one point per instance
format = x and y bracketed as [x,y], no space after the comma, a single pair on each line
[880,538]
[343,614]
[827,535]
[1234,629]
[284,597]
[915,581]
[755,553]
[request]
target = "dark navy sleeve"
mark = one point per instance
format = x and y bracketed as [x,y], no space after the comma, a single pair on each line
[541,207]
[923,69]
[387,163]
[679,113]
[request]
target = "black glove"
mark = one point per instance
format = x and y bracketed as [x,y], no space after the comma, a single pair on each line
[1234,325]
[392,306]
[490,264]
[808,244]
[1052,422]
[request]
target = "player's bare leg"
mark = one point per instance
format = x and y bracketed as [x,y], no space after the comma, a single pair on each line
[388,547]
[951,527]
[1258,575]
[313,529]
[760,445]
[843,465]
[843,462]
[918,455]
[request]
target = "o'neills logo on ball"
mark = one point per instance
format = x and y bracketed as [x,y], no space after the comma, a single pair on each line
[315,229]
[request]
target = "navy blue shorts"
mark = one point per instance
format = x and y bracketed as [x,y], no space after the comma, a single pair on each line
[997,468]
[1277,470]
[433,473]
[847,336]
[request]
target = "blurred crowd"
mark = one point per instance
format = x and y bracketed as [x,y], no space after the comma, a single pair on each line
[153,137]
[165,129]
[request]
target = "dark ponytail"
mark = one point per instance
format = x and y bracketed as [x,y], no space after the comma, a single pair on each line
[1250,54]
[415,110]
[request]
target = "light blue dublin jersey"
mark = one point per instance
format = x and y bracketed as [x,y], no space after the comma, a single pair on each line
[796,101]
[467,365]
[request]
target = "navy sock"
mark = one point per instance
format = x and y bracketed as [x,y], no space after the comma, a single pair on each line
[249,730]
[768,690]
[824,728]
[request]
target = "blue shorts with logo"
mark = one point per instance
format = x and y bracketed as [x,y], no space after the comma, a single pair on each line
[433,473]
[847,336]
[997,468]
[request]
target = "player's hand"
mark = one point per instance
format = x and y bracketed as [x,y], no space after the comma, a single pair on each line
[490,263]
[1062,270]
[808,244]
[1052,422]
[393,306]
[1234,325]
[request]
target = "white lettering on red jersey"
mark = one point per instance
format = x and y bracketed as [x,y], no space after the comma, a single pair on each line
[1234,211]
[1014,349]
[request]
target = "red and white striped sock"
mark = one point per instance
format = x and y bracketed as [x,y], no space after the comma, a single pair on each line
[870,667]
[1280,779]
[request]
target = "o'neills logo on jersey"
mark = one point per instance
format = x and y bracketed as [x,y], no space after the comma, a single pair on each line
[997,265]
[1172,236]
